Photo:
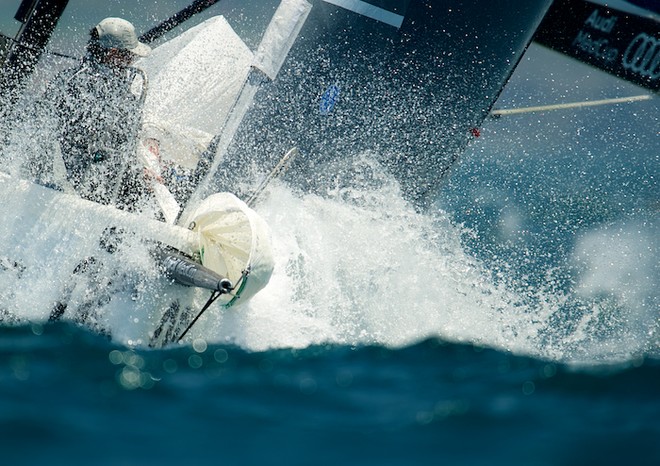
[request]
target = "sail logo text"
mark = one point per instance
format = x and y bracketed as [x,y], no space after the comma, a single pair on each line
[601,23]
[597,48]
[642,56]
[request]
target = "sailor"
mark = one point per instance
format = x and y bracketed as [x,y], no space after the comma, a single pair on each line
[98,108]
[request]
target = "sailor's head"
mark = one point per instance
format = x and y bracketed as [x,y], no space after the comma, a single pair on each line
[114,41]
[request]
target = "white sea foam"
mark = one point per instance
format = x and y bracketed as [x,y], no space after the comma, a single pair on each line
[362,267]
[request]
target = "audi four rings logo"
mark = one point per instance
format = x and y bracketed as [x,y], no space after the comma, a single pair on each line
[643,56]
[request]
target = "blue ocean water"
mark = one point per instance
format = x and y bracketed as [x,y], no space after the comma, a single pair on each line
[547,355]
[71,397]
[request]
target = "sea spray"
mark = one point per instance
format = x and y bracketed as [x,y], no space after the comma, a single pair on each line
[361,266]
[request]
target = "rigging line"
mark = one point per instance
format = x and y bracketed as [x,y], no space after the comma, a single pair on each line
[215,295]
[592,103]
[50,52]
[281,167]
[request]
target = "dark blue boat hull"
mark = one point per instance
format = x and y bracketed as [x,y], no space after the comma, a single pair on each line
[411,94]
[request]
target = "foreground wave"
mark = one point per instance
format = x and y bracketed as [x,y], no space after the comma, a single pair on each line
[82,397]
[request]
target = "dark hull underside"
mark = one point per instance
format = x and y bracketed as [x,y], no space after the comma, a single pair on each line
[410,94]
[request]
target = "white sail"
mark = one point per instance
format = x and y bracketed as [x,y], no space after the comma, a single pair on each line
[234,242]
[194,80]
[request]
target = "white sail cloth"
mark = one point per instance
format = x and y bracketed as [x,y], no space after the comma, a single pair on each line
[194,81]
[235,243]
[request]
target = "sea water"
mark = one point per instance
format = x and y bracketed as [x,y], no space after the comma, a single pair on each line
[71,397]
[514,322]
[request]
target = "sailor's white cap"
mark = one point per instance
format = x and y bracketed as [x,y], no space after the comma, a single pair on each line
[117,33]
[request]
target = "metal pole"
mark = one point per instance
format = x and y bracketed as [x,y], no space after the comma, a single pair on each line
[173,21]
[40,21]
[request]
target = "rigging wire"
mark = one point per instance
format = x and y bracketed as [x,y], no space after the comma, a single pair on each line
[215,295]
